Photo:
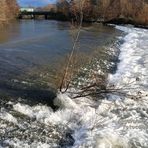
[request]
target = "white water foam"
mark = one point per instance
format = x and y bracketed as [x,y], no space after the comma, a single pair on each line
[109,123]
[8,117]
[132,69]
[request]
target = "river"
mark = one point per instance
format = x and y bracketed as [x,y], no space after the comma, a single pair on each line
[32,52]
[118,120]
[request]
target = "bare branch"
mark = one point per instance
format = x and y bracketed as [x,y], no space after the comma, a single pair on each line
[72,51]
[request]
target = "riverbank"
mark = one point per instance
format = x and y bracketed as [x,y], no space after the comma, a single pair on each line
[125,22]
[107,11]
[62,17]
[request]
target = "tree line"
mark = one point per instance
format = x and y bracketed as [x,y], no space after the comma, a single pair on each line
[71,8]
[128,11]
[132,11]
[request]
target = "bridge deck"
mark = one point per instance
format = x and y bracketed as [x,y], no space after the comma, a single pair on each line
[37,13]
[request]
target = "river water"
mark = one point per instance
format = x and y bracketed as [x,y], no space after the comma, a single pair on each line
[118,120]
[32,52]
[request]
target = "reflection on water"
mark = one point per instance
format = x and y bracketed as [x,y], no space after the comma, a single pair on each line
[30,44]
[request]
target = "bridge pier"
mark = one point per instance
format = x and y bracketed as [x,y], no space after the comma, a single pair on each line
[46,17]
[33,16]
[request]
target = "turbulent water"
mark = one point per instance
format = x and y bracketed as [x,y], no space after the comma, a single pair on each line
[118,121]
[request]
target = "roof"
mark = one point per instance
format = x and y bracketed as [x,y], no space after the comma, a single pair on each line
[27,8]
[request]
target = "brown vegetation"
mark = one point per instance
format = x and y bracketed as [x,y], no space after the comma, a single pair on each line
[126,11]
[134,11]
[49,7]
[63,6]
[8,10]
[87,9]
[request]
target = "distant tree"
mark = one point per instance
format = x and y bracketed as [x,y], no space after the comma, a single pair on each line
[88,8]
[72,8]
[49,7]
[106,10]
[8,9]
[63,7]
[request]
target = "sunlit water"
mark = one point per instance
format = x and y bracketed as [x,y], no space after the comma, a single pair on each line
[118,121]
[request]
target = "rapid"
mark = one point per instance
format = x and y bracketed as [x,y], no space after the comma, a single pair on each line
[117,121]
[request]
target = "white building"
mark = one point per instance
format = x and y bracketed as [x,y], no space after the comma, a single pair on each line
[27,9]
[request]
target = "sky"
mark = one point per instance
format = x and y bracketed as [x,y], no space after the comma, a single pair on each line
[35,3]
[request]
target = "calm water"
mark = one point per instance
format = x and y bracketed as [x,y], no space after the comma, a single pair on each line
[27,46]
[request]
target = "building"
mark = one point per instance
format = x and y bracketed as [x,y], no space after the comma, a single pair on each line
[27,9]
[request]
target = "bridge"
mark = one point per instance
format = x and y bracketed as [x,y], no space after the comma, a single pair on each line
[35,14]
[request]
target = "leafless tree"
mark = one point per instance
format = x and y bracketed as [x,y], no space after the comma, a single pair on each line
[66,79]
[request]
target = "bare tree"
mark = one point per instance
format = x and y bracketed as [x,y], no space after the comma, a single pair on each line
[66,78]
[63,7]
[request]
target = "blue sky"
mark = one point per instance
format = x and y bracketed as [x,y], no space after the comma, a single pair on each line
[35,3]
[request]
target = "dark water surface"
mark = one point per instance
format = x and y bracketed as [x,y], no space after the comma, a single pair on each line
[28,46]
